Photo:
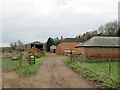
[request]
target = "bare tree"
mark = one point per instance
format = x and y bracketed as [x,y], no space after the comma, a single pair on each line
[17,45]
[109,29]
[13,45]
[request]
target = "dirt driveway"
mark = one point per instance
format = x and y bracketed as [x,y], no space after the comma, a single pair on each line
[52,74]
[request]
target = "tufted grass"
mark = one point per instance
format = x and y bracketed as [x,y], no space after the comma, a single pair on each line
[98,72]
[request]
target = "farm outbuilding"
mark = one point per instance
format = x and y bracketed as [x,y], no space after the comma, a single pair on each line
[100,48]
[35,44]
[53,48]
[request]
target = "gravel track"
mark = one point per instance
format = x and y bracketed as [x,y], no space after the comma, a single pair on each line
[52,74]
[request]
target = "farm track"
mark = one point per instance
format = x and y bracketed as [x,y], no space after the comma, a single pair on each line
[52,74]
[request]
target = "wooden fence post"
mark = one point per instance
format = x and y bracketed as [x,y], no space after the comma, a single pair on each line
[109,67]
[20,59]
[34,59]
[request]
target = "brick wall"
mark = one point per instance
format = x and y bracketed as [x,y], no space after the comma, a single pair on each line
[58,49]
[97,53]
[67,46]
[79,50]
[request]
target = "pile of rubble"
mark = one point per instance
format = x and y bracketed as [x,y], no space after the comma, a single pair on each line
[36,51]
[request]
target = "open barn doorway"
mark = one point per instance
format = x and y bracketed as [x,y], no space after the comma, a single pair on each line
[37,45]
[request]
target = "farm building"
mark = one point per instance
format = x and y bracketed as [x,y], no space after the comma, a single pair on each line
[35,44]
[23,47]
[67,45]
[100,48]
[53,48]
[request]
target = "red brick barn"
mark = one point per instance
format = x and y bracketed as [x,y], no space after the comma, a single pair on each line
[68,45]
[100,48]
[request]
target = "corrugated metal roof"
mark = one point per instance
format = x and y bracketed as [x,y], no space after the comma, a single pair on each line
[73,40]
[53,46]
[101,42]
[36,42]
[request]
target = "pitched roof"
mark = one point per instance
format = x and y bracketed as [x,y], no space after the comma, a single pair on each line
[73,40]
[35,42]
[101,42]
[53,46]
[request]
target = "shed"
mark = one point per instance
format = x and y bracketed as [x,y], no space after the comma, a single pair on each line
[100,48]
[35,44]
[53,48]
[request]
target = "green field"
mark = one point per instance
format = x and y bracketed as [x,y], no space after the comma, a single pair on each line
[98,72]
[26,69]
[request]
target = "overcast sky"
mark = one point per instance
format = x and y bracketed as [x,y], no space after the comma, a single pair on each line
[30,20]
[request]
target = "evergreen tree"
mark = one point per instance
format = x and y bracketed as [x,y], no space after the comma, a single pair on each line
[56,41]
[49,43]
[118,33]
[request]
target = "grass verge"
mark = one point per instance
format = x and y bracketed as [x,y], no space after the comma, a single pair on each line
[97,72]
[26,69]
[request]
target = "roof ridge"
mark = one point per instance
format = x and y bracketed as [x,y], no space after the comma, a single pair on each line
[96,41]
